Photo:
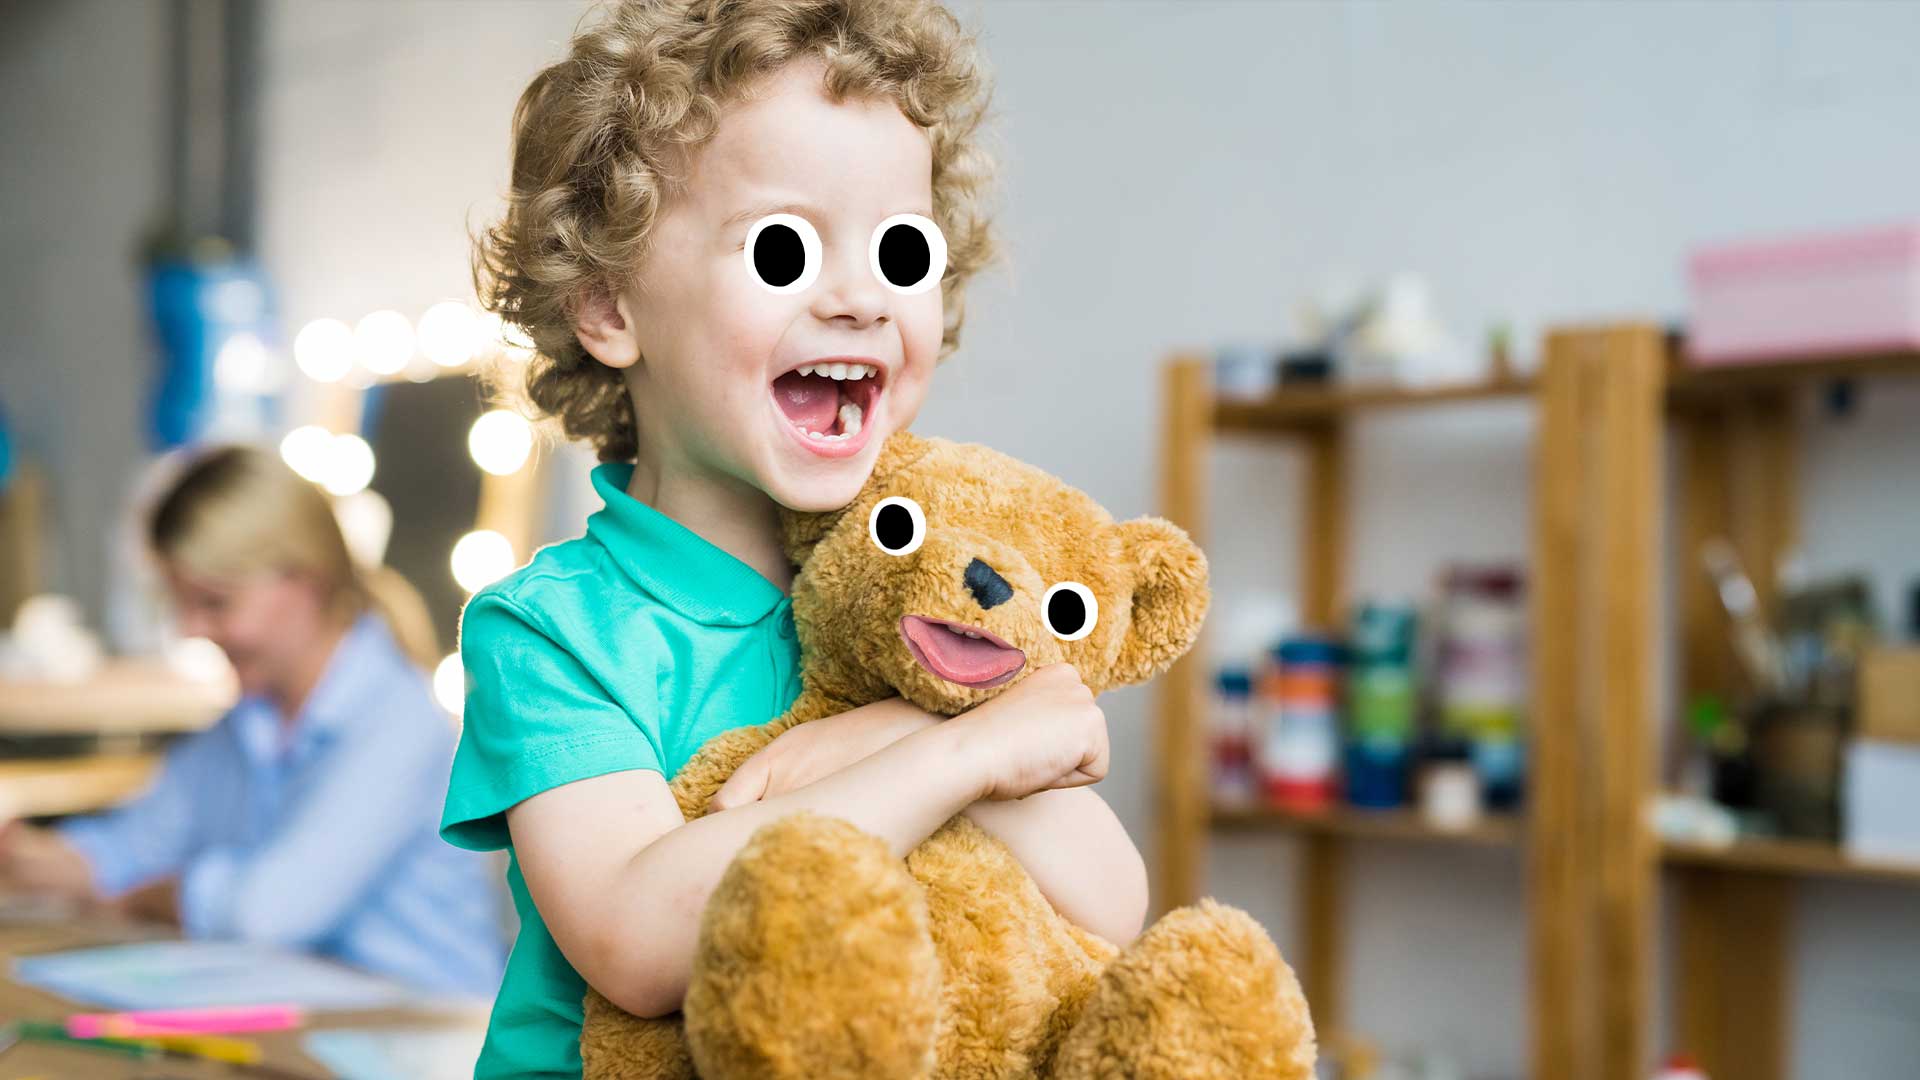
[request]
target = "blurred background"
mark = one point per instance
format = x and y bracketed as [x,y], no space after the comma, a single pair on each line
[1538,378]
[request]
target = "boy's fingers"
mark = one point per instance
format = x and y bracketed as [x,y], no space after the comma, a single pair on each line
[747,784]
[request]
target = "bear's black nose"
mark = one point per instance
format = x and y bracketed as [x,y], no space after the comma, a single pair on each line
[986,586]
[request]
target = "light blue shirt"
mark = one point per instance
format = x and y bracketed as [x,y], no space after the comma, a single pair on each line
[324,839]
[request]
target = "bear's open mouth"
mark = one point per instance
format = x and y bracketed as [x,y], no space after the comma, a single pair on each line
[960,653]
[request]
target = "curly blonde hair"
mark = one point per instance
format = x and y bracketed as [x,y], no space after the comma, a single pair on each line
[601,139]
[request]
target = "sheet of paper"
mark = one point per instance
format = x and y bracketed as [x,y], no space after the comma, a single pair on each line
[189,974]
[398,1053]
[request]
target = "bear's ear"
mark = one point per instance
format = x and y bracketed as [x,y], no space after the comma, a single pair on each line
[800,531]
[1170,597]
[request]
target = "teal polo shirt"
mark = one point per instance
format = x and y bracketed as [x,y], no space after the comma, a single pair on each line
[626,648]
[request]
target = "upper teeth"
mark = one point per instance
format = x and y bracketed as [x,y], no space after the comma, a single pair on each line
[964,633]
[840,371]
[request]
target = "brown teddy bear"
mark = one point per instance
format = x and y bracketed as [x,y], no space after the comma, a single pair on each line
[822,956]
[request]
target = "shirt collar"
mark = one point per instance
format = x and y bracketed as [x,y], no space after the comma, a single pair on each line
[332,701]
[677,565]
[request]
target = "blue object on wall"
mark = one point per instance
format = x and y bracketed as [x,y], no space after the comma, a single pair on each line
[6,452]
[197,309]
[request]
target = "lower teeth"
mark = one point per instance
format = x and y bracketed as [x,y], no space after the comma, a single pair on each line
[850,417]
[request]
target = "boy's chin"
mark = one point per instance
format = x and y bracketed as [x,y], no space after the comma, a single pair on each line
[833,489]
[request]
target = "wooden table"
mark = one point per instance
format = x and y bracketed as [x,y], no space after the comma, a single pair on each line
[106,727]
[46,787]
[283,1049]
[125,696]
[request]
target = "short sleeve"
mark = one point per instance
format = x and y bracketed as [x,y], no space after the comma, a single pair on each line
[535,718]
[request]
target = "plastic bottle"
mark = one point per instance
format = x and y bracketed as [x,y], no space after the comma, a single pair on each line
[1680,1067]
[1299,689]
[1483,674]
[1380,705]
[1231,737]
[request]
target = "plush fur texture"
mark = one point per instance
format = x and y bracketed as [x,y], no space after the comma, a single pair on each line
[822,957]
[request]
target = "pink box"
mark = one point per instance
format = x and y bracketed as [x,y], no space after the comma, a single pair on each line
[1803,297]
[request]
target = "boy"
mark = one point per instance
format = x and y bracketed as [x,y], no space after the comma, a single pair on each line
[704,242]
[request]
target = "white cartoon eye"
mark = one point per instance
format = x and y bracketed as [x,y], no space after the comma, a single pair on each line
[909,253]
[783,253]
[1069,610]
[897,525]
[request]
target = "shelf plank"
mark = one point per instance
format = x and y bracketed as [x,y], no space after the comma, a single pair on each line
[1800,858]
[1301,408]
[1495,830]
[1689,383]
[37,788]
[123,697]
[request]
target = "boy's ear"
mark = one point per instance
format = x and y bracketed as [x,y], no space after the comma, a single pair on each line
[800,531]
[603,321]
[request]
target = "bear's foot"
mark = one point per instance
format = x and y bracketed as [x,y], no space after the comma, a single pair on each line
[814,961]
[1202,995]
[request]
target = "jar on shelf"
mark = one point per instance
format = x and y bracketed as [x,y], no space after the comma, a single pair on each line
[1231,737]
[1299,691]
[1380,705]
[1482,674]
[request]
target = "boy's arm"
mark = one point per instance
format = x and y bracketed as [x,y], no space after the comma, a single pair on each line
[1068,839]
[1076,850]
[621,878]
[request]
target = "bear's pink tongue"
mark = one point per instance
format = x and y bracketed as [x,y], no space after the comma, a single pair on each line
[958,658]
[812,403]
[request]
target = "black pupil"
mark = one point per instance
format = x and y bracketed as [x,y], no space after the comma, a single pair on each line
[894,527]
[1066,612]
[779,255]
[904,255]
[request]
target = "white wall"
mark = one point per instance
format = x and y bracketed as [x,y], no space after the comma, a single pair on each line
[1176,175]
[84,125]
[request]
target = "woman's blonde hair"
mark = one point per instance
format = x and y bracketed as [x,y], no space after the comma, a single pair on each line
[237,510]
[603,137]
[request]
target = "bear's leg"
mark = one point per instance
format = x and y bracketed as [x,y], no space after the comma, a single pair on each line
[814,961]
[1202,995]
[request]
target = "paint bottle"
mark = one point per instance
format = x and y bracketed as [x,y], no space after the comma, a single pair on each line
[1482,684]
[1300,690]
[1380,705]
[1231,737]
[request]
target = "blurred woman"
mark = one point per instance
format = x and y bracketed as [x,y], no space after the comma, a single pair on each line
[307,816]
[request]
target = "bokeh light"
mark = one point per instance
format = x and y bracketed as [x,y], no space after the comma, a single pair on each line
[324,350]
[481,558]
[385,342]
[500,442]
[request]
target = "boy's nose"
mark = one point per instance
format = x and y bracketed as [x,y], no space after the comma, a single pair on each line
[987,587]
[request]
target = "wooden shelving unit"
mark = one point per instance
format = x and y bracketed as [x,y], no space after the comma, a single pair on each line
[1494,831]
[1607,398]
[1791,858]
[1315,421]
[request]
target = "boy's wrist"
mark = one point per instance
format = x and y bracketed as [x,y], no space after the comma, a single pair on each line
[955,749]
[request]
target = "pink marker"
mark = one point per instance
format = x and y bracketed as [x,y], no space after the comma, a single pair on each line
[215,1021]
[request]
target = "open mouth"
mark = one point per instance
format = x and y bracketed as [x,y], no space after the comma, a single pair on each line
[960,653]
[829,405]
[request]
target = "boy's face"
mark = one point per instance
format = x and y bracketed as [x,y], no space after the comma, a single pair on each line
[716,386]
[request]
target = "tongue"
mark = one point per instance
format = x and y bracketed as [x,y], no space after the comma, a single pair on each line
[809,401]
[962,659]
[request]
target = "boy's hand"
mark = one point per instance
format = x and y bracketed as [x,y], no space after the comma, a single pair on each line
[819,748]
[1044,732]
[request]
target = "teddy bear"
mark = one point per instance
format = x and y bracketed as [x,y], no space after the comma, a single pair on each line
[956,572]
